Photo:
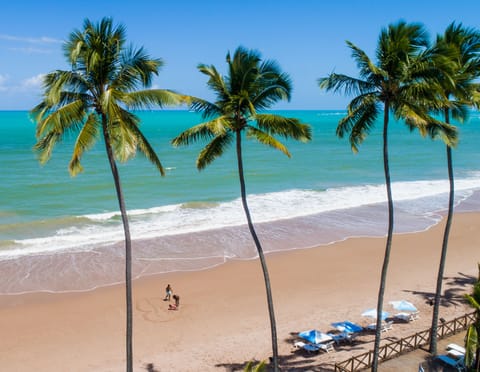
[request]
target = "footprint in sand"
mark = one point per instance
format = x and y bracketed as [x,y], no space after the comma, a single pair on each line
[153,310]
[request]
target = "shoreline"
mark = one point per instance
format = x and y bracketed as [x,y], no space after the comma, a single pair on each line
[86,270]
[223,320]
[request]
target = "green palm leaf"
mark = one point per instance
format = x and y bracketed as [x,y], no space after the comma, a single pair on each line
[267,139]
[285,127]
[203,131]
[213,150]
[471,345]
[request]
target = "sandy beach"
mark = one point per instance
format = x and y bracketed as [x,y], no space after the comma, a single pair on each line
[223,321]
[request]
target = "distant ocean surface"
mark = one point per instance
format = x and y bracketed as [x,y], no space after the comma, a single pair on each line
[59,233]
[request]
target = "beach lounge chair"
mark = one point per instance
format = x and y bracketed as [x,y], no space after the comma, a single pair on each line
[415,315]
[458,364]
[327,346]
[386,326]
[459,349]
[307,347]
[343,337]
[407,317]
[455,354]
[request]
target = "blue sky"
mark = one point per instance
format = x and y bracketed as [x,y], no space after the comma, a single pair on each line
[306,37]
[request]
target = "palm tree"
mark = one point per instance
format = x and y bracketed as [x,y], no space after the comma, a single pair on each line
[251,85]
[472,339]
[456,54]
[395,84]
[93,98]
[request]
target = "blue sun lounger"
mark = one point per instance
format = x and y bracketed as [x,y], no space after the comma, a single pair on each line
[458,364]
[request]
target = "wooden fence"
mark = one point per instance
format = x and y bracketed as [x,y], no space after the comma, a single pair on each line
[406,344]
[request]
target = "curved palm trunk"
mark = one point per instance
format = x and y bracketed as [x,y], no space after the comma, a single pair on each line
[386,259]
[128,246]
[443,256]
[261,256]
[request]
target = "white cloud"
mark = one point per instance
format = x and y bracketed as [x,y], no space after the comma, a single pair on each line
[3,80]
[30,50]
[33,82]
[31,40]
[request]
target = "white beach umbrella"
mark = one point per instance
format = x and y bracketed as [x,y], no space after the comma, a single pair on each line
[403,305]
[372,313]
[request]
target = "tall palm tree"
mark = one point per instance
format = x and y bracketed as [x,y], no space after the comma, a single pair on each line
[456,54]
[250,86]
[395,85]
[93,98]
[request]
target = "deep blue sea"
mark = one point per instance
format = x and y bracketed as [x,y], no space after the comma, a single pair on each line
[63,233]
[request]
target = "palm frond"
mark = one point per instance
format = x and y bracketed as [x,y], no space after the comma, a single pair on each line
[144,146]
[214,149]
[215,81]
[473,302]
[359,120]
[141,99]
[85,140]
[260,367]
[460,110]
[368,70]
[285,127]
[123,138]
[207,109]
[270,90]
[347,85]
[270,85]
[137,69]
[203,131]
[59,86]
[65,119]
[471,345]
[266,139]
[45,145]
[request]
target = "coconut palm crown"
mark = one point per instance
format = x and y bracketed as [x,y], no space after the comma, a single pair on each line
[250,86]
[92,100]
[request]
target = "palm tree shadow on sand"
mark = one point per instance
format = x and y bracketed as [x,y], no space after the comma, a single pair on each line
[453,295]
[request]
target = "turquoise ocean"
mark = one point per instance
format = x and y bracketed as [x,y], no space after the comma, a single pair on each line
[60,233]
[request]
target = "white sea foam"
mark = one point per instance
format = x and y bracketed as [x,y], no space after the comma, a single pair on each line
[419,198]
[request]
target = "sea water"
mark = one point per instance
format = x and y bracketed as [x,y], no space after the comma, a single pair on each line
[63,233]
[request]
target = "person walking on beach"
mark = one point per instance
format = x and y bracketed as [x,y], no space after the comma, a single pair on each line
[168,293]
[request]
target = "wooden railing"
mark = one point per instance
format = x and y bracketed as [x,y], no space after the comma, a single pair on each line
[404,345]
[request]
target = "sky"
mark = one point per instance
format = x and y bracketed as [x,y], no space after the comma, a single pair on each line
[305,37]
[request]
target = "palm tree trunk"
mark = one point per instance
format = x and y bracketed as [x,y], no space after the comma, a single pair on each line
[386,259]
[443,256]
[128,245]
[261,256]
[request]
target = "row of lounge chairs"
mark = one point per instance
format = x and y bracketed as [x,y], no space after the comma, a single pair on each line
[348,331]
